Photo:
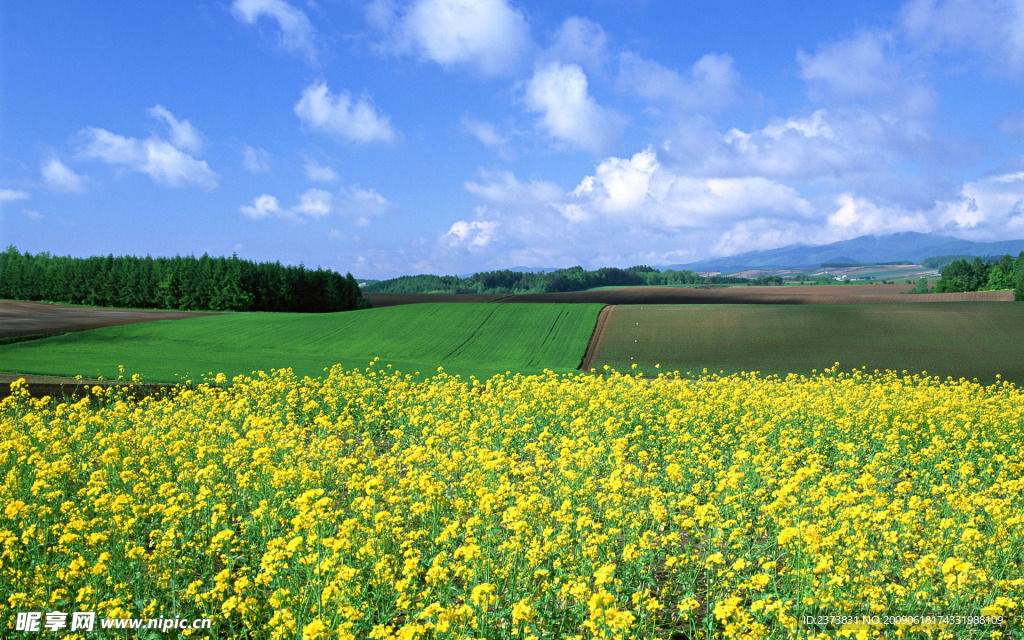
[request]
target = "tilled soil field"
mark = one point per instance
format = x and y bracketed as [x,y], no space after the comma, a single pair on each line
[18,318]
[810,294]
[820,294]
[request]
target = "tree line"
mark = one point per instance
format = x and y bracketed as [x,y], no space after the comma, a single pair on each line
[994,274]
[571,279]
[199,284]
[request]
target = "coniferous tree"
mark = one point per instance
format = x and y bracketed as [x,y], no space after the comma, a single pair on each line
[1018,289]
[175,283]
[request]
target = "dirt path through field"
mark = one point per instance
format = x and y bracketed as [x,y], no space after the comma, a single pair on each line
[595,338]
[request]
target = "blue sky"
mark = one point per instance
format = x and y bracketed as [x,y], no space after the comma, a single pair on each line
[452,136]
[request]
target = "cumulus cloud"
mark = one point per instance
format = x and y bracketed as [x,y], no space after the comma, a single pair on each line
[340,115]
[488,35]
[843,145]
[161,160]
[353,202]
[793,148]
[568,112]
[993,207]
[60,177]
[858,216]
[472,234]
[641,188]
[992,28]
[255,160]
[710,83]
[297,33]
[262,206]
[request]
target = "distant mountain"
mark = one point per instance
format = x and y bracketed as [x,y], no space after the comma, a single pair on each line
[908,245]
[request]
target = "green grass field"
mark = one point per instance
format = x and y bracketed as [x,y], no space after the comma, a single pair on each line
[468,339]
[958,339]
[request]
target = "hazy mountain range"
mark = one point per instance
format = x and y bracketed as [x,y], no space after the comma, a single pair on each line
[908,245]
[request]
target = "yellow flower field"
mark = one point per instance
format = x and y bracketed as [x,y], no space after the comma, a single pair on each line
[368,504]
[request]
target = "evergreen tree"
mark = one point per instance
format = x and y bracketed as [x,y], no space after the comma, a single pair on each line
[1018,289]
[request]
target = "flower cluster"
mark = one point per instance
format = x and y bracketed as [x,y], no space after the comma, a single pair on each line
[370,504]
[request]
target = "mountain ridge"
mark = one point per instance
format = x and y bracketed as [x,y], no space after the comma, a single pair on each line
[907,245]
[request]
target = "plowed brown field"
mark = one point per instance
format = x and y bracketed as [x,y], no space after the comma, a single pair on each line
[821,294]
[817,294]
[18,318]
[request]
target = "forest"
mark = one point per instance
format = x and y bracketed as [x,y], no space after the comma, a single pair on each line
[991,274]
[187,283]
[571,279]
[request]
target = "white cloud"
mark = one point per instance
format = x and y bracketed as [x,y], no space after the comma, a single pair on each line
[640,188]
[993,28]
[350,202]
[60,177]
[342,116]
[314,203]
[488,135]
[489,35]
[756,234]
[620,185]
[993,206]
[503,187]
[795,148]
[183,135]
[848,146]
[297,33]
[581,41]
[159,159]
[851,68]
[255,160]
[568,112]
[866,68]
[858,216]
[263,206]
[11,195]
[319,173]
[356,201]
[712,82]
[473,234]
[812,127]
